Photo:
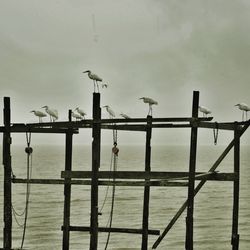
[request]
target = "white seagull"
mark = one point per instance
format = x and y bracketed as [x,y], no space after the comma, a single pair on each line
[95,79]
[244,107]
[81,112]
[125,116]
[150,102]
[77,116]
[39,114]
[52,113]
[110,111]
[205,111]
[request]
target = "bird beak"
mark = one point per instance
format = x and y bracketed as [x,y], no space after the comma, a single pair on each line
[140,98]
[85,71]
[43,106]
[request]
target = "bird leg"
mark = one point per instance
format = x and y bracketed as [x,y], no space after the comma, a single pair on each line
[150,111]
[97,86]
[243,115]
[94,85]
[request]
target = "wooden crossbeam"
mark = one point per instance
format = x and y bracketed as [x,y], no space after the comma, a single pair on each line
[22,128]
[113,230]
[88,122]
[150,175]
[102,183]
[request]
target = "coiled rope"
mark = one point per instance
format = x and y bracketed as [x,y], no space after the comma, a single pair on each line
[29,151]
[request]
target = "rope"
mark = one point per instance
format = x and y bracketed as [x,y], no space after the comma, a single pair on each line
[114,159]
[215,133]
[107,189]
[29,151]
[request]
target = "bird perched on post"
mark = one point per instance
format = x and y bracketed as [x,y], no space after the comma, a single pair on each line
[39,114]
[81,112]
[95,79]
[204,110]
[53,114]
[244,107]
[110,111]
[150,102]
[76,116]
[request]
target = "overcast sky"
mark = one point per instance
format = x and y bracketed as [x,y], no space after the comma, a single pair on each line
[163,49]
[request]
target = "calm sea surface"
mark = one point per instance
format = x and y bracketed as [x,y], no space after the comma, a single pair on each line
[213,205]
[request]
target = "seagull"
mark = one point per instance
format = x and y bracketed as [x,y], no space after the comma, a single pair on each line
[204,110]
[244,107]
[52,113]
[77,116]
[81,112]
[125,116]
[95,78]
[110,111]
[39,114]
[150,102]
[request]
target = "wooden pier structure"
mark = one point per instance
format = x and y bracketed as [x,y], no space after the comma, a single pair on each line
[146,179]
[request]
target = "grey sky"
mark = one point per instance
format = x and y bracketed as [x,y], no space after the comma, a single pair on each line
[164,49]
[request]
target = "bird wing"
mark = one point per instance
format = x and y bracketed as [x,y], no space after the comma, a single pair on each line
[96,77]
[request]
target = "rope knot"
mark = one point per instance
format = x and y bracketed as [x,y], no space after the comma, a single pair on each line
[29,150]
[115,150]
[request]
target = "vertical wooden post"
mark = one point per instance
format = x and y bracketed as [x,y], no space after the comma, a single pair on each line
[7,240]
[67,187]
[144,245]
[236,190]
[192,166]
[96,148]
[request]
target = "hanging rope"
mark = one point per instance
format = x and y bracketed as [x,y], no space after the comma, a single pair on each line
[107,189]
[114,160]
[29,151]
[216,132]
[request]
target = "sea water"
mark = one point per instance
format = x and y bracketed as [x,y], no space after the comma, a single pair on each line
[213,204]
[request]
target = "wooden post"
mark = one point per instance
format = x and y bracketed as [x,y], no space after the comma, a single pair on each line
[67,187]
[144,245]
[236,190]
[192,165]
[96,134]
[7,240]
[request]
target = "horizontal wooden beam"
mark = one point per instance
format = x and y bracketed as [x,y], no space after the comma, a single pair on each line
[214,125]
[112,230]
[89,122]
[102,183]
[22,128]
[150,175]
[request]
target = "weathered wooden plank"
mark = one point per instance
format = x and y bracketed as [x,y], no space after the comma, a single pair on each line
[67,187]
[113,230]
[88,122]
[152,175]
[192,167]
[146,195]
[236,191]
[7,231]
[96,148]
[215,125]
[173,183]
[22,128]
[102,183]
